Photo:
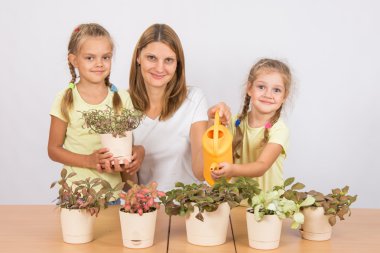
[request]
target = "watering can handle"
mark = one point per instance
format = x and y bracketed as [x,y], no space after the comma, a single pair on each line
[216,131]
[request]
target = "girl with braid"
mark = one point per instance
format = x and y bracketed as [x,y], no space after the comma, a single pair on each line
[90,52]
[260,136]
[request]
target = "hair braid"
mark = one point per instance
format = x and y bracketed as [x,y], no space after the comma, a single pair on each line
[238,138]
[116,100]
[272,121]
[67,101]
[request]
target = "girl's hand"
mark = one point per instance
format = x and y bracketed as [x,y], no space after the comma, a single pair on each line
[225,170]
[224,113]
[100,159]
[138,154]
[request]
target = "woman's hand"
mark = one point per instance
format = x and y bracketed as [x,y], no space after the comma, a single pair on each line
[224,113]
[138,154]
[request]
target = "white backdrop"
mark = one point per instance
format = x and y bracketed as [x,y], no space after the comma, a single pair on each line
[331,46]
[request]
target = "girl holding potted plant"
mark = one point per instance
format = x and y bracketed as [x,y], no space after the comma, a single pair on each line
[90,53]
[260,139]
[175,113]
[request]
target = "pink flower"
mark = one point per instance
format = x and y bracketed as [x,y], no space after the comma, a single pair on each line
[268,125]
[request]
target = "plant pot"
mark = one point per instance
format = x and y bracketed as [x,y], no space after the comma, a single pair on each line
[138,231]
[212,231]
[264,234]
[77,225]
[120,147]
[316,226]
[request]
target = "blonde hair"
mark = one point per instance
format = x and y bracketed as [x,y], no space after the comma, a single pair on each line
[176,90]
[262,66]
[79,34]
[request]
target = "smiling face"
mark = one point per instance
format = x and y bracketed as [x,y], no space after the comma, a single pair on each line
[267,92]
[93,60]
[158,63]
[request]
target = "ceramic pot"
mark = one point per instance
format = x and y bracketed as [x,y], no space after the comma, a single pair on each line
[316,226]
[138,231]
[120,147]
[77,225]
[263,234]
[212,231]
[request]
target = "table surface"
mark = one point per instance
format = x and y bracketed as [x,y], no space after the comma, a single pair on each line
[36,228]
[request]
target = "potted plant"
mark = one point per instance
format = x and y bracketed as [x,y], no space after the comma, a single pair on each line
[265,215]
[115,129]
[138,215]
[207,208]
[321,216]
[80,203]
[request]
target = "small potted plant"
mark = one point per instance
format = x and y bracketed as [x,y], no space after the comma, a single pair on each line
[207,208]
[321,216]
[115,129]
[139,213]
[265,215]
[80,203]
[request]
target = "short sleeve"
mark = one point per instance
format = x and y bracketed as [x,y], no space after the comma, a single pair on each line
[56,107]
[279,134]
[199,102]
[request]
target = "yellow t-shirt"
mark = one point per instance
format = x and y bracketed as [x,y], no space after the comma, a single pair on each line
[252,137]
[78,139]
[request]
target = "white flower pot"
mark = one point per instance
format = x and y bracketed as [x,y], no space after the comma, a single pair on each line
[77,225]
[120,147]
[212,231]
[138,231]
[264,234]
[316,226]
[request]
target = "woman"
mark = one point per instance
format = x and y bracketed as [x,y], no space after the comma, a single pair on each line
[176,115]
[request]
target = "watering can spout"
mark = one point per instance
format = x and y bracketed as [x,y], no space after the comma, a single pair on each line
[217,148]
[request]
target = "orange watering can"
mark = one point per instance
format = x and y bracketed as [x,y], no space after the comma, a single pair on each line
[217,148]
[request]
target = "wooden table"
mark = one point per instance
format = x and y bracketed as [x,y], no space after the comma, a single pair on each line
[30,228]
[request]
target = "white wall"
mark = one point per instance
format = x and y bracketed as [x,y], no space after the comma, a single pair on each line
[332,47]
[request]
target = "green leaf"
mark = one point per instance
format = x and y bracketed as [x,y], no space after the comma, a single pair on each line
[308,201]
[63,173]
[298,186]
[288,181]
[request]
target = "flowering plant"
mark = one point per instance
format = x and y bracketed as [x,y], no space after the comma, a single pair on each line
[141,199]
[89,194]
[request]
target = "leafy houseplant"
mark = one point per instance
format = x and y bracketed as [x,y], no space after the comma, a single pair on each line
[182,200]
[80,202]
[109,121]
[207,207]
[321,215]
[141,199]
[320,218]
[138,214]
[337,203]
[114,129]
[272,207]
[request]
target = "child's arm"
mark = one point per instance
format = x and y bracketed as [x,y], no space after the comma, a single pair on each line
[268,156]
[57,153]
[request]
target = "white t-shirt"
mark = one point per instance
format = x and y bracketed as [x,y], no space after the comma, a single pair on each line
[167,143]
